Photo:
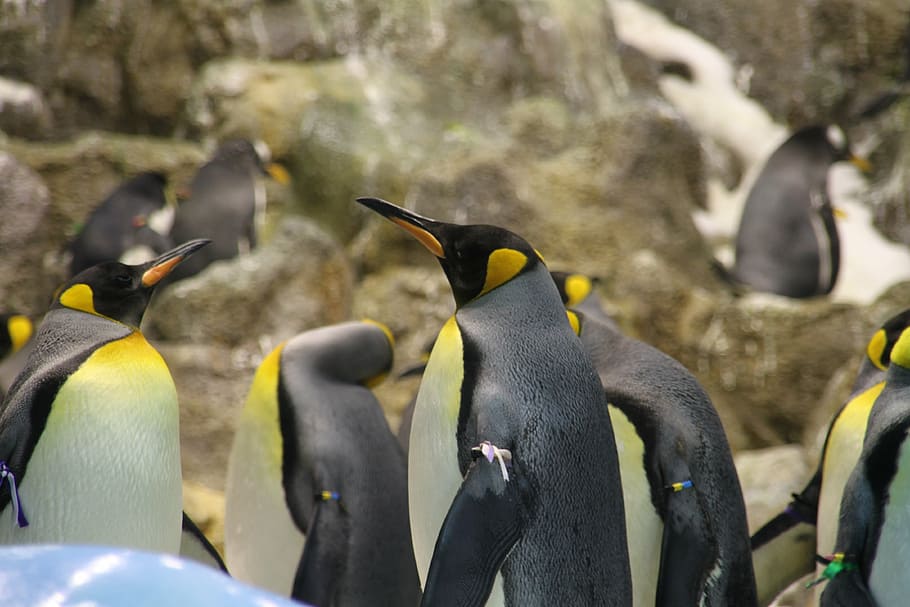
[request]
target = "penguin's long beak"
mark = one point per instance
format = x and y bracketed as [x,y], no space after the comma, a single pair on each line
[861,163]
[421,228]
[160,267]
[278,173]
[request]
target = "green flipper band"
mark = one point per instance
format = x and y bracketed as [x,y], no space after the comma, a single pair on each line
[835,566]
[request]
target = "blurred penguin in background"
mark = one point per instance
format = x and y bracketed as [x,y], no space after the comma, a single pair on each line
[787,241]
[226,204]
[121,223]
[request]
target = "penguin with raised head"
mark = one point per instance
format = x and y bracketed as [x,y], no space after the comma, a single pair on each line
[784,548]
[513,480]
[787,241]
[685,514]
[868,566]
[121,222]
[316,501]
[89,431]
[226,204]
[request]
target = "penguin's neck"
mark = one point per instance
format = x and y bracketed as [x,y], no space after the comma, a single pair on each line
[531,299]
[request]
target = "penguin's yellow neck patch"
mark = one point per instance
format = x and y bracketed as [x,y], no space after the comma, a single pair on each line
[261,409]
[385,329]
[876,348]
[502,266]
[900,354]
[573,320]
[578,287]
[20,330]
[79,297]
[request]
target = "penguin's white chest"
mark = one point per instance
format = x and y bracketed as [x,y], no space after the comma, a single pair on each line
[845,444]
[433,474]
[263,545]
[888,578]
[106,469]
[644,527]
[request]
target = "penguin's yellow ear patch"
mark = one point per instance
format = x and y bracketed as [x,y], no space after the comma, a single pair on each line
[578,286]
[502,266]
[900,354]
[876,348]
[79,297]
[20,330]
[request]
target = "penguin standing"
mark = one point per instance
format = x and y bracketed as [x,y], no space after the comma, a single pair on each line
[316,501]
[784,548]
[89,441]
[868,566]
[513,482]
[787,241]
[226,204]
[121,222]
[685,515]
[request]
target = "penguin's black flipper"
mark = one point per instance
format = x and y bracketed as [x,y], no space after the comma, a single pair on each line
[802,509]
[324,553]
[847,589]
[685,551]
[195,546]
[483,523]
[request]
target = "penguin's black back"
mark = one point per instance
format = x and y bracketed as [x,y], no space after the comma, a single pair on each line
[118,223]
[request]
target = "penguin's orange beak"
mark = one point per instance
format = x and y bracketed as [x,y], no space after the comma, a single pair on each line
[163,265]
[278,173]
[416,225]
[861,163]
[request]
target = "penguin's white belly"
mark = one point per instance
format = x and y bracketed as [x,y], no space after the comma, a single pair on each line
[644,528]
[433,474]
[841,454]
[106,469]
[262,544]
[888,578]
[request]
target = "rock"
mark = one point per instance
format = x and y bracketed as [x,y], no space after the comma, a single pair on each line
[206,508]
[26,234]
[808,61]
[299,278]
[769,476]
[23,110]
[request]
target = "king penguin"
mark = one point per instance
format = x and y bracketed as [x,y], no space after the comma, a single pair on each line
[685,514]
[787,241]
[784,548]
[513,481]
[89,436]
[226,204]
[316,501]
[868,566]
[121,222]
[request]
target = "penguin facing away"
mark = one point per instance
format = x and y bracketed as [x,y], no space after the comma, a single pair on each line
[226,204]
[121,221]
[685,514]
[784,548]
[89,437]
[787,241]
[316,501]
[513,481]
[869,564]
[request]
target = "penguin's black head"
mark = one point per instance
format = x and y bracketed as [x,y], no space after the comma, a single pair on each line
[242,154]
[879,348]
[475,258]
[825,145]
[119,291]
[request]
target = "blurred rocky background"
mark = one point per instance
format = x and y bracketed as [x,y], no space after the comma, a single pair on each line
[586,126]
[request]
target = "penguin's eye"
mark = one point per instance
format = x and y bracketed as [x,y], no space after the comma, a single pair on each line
[123,280]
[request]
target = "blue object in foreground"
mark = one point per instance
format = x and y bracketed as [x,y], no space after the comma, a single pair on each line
[101,576]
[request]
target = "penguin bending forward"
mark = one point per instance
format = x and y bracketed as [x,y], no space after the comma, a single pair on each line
[514,487]
[89,436]
[868,566]
[316,501]
[685,515]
